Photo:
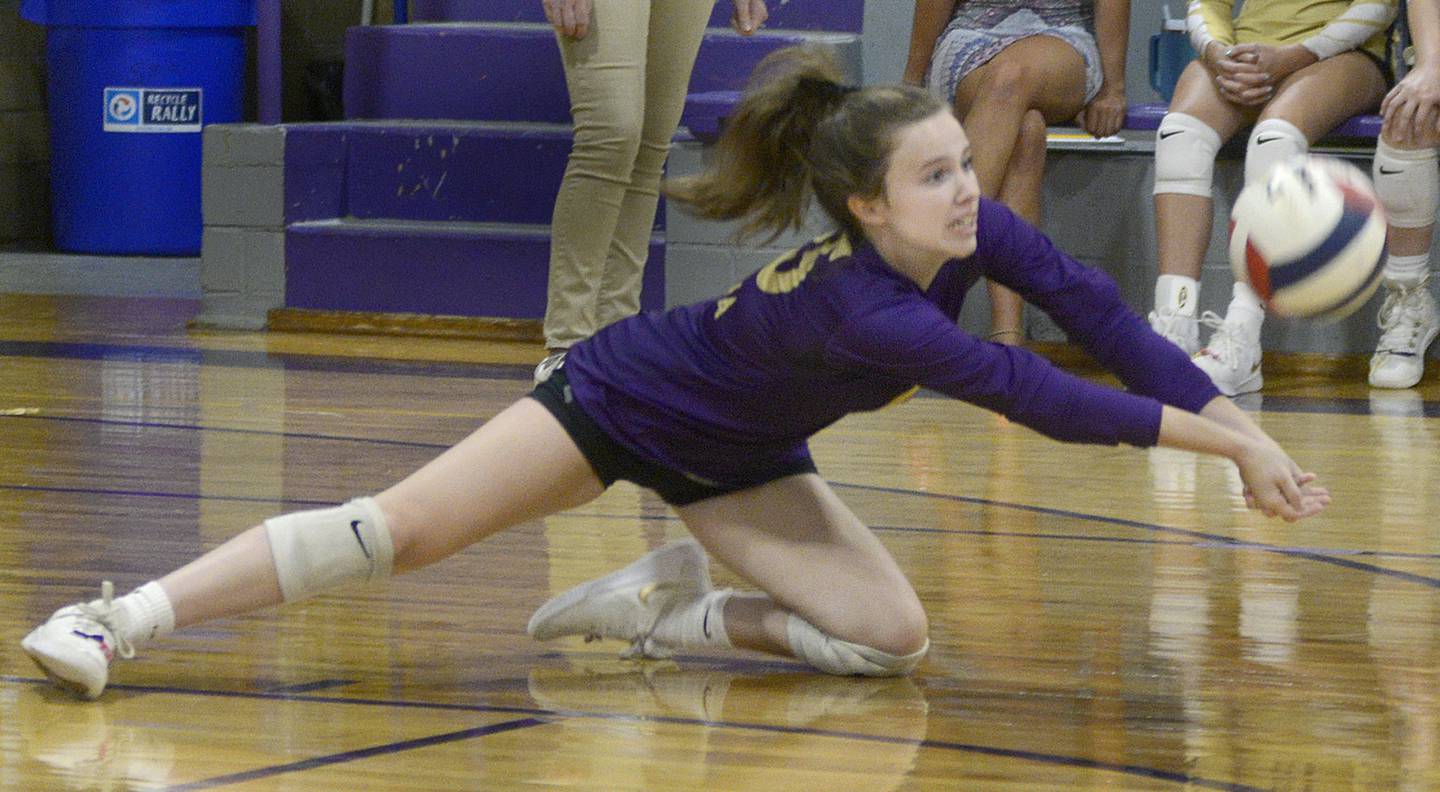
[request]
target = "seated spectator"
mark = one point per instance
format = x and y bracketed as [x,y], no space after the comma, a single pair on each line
[1010,68]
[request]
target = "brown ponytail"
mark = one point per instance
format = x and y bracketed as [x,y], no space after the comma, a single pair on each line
[799,131]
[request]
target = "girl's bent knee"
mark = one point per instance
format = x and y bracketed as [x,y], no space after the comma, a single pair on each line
[907,633]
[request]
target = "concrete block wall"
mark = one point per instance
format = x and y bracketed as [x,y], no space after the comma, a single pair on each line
[242,264]
[702,257]
[24,132]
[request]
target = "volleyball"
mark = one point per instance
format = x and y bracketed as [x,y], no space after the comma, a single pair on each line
[1310,239]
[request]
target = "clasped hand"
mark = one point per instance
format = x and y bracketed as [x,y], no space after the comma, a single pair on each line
[1248,74]
[1276,486]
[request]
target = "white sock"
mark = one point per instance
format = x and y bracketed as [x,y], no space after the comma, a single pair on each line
[144,614]
[1177,293]
[699,622]
[1406,270]
[1245,307]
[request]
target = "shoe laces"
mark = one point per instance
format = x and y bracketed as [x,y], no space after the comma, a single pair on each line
[1402,318]
[641,645]
[1224,344]
[1163,321]
[102,612]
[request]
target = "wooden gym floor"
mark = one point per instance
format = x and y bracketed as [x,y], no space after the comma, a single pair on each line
[1102,618]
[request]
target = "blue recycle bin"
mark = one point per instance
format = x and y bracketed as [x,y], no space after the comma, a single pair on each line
[131,83]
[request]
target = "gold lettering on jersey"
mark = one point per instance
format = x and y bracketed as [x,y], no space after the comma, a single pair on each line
[779,277]
[837,248]
[723,304]
[787,272]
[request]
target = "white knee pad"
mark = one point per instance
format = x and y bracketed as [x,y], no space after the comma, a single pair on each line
[319,550]
[1185,150]
[1272,141]
[834,656]
[1408,183]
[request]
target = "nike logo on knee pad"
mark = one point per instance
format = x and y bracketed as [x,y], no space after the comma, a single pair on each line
[1171,133]
[1260,141]
[355,529]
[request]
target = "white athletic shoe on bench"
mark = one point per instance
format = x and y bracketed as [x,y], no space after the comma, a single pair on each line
[626,604]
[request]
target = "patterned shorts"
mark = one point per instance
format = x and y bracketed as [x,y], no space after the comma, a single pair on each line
[962,50]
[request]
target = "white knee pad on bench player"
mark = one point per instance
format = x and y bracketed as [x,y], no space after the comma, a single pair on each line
[834,656]
[1272,141]
[1408,183]
[1185,149]
[319,550]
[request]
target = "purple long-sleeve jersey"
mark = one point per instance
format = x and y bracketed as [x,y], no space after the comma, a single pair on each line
[719,388]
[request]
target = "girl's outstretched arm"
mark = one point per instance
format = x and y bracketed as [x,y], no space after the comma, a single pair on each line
[1274,484]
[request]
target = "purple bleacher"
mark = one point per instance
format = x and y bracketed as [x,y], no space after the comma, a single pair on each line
[499,73]
[426,218]
[445,212]
[476,173]
[834,15]
[430,71]
[1362,126]
[704,112]
[1144,116]
[316,157]
[468,172]
[476,11]
[841,16]
[1147,116]
[434,269]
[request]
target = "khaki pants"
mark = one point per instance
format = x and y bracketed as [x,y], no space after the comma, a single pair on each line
[627,81]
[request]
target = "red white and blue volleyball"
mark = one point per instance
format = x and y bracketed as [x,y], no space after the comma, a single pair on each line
[1310,238]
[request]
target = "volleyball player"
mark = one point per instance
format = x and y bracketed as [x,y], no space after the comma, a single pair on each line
[711,405]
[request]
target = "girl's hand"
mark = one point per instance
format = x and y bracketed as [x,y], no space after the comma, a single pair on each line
[1105,114]
[1239,80]
[1412,108]
[569,17]
[749,16]
[1276,487]
[1276,63]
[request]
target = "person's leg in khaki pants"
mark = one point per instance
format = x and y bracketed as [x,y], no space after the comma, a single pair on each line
[627,82]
